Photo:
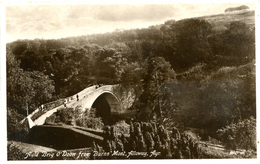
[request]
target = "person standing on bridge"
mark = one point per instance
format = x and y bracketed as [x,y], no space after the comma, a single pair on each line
[42,107]
[65,102]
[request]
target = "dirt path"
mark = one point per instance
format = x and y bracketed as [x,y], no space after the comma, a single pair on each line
[222,148]
[26,147]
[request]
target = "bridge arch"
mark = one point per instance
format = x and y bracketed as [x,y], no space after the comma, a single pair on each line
[106,105]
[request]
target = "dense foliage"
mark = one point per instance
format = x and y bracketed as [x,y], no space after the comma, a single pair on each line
[14,130]
[78,117]
[182,71]
[241,135]
[26,88]
[88,119]
[149,137]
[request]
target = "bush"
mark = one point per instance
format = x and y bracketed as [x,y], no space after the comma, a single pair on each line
[66,115]
[14,153]
[51,119]
[94,123]
[15,131]
[122,127]
[12,121]
[88,119]
[211,153]
[145,138]
[213,141]
[240,135]
[77,117]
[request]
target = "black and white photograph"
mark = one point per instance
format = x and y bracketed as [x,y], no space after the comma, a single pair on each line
[127,81]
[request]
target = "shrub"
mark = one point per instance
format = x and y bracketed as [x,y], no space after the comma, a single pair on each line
[144,138]
[122,127]
[51,119]
[14,153]
[213,141]
[211,153]
[94,123]
[88,119]
[66,115]
[77,116]
[12,120]
[15,131]
[239,135]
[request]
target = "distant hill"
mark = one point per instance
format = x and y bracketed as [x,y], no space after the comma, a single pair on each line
[221,22]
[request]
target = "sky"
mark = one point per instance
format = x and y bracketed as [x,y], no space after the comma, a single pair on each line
[47,21]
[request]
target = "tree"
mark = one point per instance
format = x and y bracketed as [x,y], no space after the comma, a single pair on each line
[231,9]
[18,92]
[218,104]
[25,88]
[239,40]
[13,129]
[223,97]
[110,63]
[159,72]
[132,77]
[165,28]
[235,46]
[31,53]
[239,135]
[136,54]
[192,41]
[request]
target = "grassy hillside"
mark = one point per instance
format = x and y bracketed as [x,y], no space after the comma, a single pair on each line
[221,22]
[242,71]
[203,72]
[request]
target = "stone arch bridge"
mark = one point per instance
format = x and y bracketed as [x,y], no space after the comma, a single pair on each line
[106,99]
